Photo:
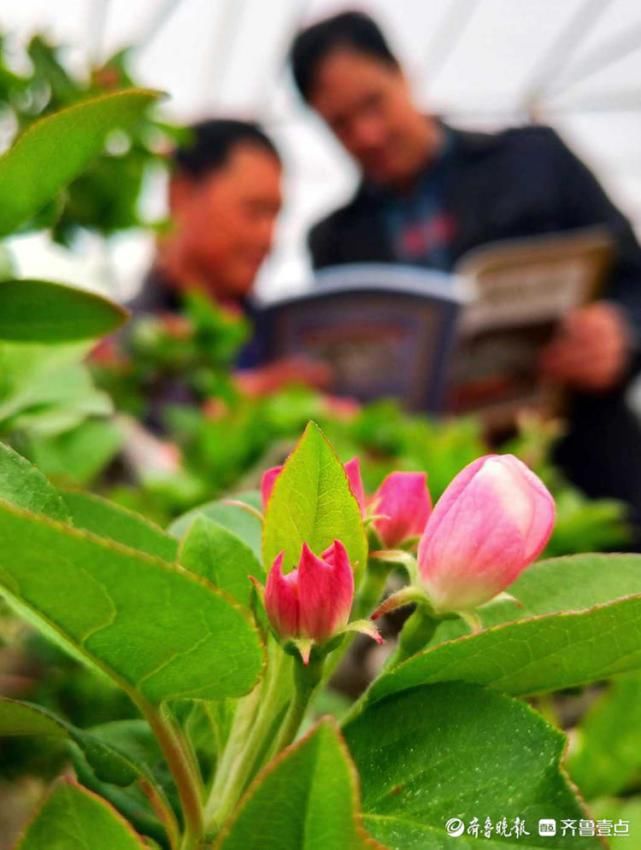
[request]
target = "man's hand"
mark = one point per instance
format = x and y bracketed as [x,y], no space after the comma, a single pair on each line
[591,350]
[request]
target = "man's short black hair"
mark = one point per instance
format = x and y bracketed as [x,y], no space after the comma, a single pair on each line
[211,143]
[352,30]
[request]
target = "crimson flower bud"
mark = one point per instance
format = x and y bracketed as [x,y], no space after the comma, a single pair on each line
[493,521]
[402,506]
[313,601]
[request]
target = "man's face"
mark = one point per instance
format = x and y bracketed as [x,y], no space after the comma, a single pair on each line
[368,105]
[226,219]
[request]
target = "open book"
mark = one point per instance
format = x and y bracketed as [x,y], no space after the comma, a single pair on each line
[461,343]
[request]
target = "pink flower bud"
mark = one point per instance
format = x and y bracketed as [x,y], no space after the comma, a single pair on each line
[403,506]
[355,481]
[267,483]
[493,520]
[314,600]
[352,470]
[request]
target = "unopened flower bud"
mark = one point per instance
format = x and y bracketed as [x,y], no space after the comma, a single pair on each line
[401,506]
[493,521]
[314,600]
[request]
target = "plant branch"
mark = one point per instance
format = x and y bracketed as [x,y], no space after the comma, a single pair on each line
[184,776]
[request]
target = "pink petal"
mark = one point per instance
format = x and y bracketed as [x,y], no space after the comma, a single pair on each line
[326,592]
[404,500]
[267,483]
[282,599]
[353,472]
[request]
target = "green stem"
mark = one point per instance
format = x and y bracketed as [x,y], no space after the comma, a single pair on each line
[306,679]
[369,595]
[163,811]
[245,744]
[372,588]
[417,632]
[186,780]
[415,635]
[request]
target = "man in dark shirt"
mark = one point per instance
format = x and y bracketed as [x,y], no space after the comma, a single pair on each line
[429,193]
[224,200]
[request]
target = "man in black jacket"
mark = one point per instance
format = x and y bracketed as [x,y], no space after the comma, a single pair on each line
[429,193]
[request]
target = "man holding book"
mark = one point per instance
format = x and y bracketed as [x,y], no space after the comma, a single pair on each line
[430,193]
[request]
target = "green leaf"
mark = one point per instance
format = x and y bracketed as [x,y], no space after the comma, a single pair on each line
[571,583]
[213,552]
[312,503]
[108,763]
[234,518]
[459,751]
[626,814]
[117,523]
[306,799]
[26,487]
[42,311]
[55,150]
[160,632]
[606,755]
[135,738]
[546,653]
[73,817]
[77,456]
[45,389]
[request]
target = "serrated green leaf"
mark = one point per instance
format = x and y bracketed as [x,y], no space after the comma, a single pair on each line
[213,552]
[570,583]
[43,311]
[312,503]
[306,799]
[234,518]
[56,149]
[158,631]
[106,519]
[538,655]
[23,485]
[73,817]
[459,751]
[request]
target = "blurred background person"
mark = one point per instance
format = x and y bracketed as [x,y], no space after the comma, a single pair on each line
[225,195]
[429,193]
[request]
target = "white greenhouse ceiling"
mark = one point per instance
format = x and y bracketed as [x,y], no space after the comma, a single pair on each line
[479,63]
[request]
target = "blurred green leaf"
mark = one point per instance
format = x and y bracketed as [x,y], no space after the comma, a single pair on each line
[42,311]
[78,455]
[605,758]
[108,763]
[55,150]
